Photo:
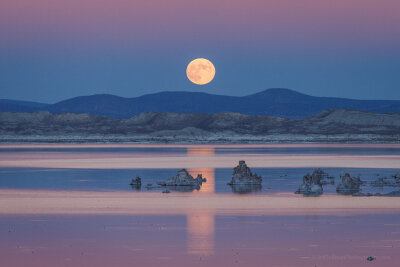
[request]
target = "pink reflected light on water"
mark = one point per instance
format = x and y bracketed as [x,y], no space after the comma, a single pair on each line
[89,228]
[197,156]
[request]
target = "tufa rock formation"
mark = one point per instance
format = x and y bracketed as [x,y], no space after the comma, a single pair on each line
[325,178]
[393,181]
[183,178]
[312,184]
[242,176]
[349,185]
[137,181]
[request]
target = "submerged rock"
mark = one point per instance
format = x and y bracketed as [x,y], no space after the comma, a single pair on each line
[183,178]
[348,184]
[370,258]
[242,175]
[312,184]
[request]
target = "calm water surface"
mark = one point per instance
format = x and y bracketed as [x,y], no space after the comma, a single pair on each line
[71,205]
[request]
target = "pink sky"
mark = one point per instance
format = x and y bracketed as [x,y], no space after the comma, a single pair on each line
[256,21]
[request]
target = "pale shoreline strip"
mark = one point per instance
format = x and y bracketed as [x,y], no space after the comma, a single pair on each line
[132,161]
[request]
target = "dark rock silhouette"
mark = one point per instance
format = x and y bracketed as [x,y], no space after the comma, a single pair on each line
[370,258]
[312,184]
[393,181]
[183,178]
[325,178]
[348,184]
[136,183]
[242,175]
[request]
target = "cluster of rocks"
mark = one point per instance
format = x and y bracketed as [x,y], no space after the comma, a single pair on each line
[182,181]
[312,184]
[242,175]
[349,185]
[243,181]
[183,178]
[393,181]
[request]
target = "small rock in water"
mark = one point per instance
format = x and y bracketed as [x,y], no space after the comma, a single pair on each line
[370,258]
[349,185]
[242,175]
[136,181]
[312,184]
[166,191]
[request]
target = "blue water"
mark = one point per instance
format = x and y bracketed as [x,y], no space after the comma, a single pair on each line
[274,179]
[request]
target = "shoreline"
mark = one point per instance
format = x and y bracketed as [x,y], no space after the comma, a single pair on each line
[217,139]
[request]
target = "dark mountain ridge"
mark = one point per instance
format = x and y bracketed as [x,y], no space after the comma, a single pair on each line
[271,102]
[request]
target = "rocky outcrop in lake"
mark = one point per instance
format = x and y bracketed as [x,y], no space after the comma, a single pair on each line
[183,178]
[349,185]
[136,183]
[393,181]
[324,177]
[242,175]
[312,184]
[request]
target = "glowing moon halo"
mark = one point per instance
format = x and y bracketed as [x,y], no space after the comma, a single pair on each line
[200,71]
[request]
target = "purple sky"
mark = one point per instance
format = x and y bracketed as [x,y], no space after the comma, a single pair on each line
[51,50]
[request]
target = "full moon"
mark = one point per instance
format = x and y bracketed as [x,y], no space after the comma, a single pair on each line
[200,71]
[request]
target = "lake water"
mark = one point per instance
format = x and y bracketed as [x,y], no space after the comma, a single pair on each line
[72,205]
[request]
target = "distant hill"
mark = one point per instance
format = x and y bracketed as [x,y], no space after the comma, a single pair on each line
[271,102]
[329,122]
[21,106]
